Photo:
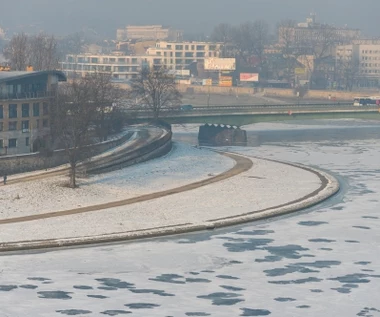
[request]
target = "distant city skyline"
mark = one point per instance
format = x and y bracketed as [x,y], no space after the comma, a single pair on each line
[63,17]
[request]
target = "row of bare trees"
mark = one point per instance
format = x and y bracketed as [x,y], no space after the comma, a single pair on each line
[244,40]
[38,51]
[313,52]
[87,110]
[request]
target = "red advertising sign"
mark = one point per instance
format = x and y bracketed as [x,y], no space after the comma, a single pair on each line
[249,77]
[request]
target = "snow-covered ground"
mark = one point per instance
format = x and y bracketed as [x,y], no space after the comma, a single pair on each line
[324,262]
[266,185]
[183,165]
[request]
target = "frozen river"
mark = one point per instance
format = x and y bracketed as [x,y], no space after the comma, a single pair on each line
[320,262]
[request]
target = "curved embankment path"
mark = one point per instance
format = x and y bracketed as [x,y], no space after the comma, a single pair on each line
[327,186]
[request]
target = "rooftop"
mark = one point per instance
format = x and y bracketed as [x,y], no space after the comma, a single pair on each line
[16,75]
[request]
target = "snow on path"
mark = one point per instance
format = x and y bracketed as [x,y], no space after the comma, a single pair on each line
[183,165]
[266,184]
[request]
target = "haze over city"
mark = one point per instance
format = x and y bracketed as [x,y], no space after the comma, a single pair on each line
[189,158]
[197,16]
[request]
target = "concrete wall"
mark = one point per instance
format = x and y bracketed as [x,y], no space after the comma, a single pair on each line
[14,164]
[192,89]
[314,94]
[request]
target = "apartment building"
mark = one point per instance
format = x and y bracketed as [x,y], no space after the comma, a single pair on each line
[121,67]
[24,108]
[365,61]
[311,31]
[179,55]
[148,32]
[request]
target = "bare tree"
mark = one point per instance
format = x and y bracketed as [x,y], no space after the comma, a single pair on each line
[289,47]
[105,96]
[43,52]
[347,72]
[318,46]
[223,33]
[17,51]
[260,37]
[73,113]
[155,90]
[38,51]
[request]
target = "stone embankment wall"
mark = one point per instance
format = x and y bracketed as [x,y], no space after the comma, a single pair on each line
[314,94]
[272,92]
[14,164]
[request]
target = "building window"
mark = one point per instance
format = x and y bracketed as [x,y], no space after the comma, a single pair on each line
[179,47]
[26,141]
[168,46]
[38,123]
[1,143]
[1,112]
[45,110]
[200,47]
[178,54]
[12,111]
[94,60]
[1,126]
[25,126]
[12,143]
[12,125]
[25,110]
[36,109]
[45,123]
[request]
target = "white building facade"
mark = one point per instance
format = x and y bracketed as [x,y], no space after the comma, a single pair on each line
[121,67]
[365,57]
[179,55]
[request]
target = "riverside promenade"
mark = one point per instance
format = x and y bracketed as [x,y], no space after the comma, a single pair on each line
[189,189]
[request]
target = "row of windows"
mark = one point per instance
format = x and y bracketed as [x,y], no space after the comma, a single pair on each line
[100,68]
[371,71]
[25,110]
[370,58]
[370,65]
[165,61]
[180,47]
[12,125]
[370,52]
[104,60]
[12,143]
[187,54]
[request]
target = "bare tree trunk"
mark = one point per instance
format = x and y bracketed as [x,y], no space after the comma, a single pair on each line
[73,183]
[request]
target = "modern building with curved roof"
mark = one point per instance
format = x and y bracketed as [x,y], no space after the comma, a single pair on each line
[24,108]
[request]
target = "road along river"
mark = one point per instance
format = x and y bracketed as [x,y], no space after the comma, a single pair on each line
[318,262]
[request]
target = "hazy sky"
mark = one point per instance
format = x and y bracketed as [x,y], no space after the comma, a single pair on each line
[194,16]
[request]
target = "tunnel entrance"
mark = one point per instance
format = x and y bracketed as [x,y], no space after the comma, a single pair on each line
[221,135]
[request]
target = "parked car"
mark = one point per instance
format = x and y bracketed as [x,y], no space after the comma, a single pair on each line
[186,108]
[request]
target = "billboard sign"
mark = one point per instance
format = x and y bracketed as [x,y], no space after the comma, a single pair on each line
[207,82]
[300,71]
[218,64]
[250,77]
[225,81]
